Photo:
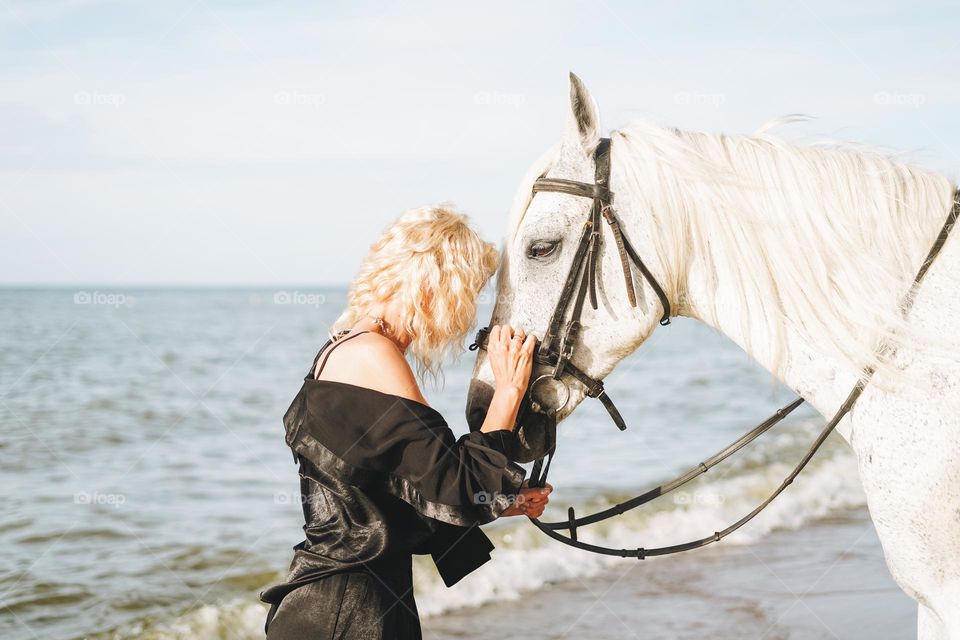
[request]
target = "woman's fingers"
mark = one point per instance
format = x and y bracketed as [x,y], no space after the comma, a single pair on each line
[530,501]
[505,333]
[502,334]
[513,341]
[536,496]
[533,511]
[493,340]
[541,493]
[527,350]
[511,356]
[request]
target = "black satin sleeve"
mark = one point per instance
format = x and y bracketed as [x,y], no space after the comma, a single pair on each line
[464,481]
[408,449]
[458,551]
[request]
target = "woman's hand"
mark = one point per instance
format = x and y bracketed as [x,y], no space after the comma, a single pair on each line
[510,354]
[530,502]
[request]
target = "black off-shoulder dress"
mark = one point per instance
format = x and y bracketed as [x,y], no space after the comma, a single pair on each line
[382,477]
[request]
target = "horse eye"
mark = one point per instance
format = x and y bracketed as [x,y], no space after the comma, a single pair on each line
[542,248]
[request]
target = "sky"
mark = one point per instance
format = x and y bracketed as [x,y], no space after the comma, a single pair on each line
[263,143]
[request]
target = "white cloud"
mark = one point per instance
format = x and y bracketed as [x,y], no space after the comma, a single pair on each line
[284,114]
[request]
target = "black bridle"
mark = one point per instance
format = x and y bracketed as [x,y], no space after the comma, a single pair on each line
[556,348]
[555,351]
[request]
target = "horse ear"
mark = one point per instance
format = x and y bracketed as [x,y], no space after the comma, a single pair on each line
[583,125]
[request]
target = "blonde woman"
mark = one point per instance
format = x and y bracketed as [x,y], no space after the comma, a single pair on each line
[382,475]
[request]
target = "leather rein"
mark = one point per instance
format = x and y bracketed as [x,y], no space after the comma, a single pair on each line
[555,351]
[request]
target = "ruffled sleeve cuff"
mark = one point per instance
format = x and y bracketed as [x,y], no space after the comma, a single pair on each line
[492,479]
[458,551]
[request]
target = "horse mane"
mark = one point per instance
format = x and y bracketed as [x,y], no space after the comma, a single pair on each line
[821,239]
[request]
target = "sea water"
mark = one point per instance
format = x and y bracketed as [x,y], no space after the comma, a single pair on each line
[148,492]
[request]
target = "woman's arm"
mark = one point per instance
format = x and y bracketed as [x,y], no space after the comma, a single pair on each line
[373,361]
[509,352]
[510,355]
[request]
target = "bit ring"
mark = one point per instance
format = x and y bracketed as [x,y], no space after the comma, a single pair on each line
[536,406]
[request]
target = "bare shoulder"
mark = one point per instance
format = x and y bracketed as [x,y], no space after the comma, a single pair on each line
[372,361]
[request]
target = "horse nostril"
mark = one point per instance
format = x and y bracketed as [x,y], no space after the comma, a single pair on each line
[478,400]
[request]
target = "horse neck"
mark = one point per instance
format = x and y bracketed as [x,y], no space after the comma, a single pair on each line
[823,382]
[755,239]
[692,286]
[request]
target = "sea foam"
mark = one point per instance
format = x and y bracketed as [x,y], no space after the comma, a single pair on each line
[525,560]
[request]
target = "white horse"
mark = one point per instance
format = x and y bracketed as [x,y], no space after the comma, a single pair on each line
[802,256]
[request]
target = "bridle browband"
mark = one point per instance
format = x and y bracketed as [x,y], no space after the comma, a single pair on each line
[555,350]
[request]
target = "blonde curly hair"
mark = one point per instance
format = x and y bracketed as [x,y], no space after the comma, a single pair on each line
[434,264]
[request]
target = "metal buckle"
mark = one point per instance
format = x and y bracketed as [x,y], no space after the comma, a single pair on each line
[536,406]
